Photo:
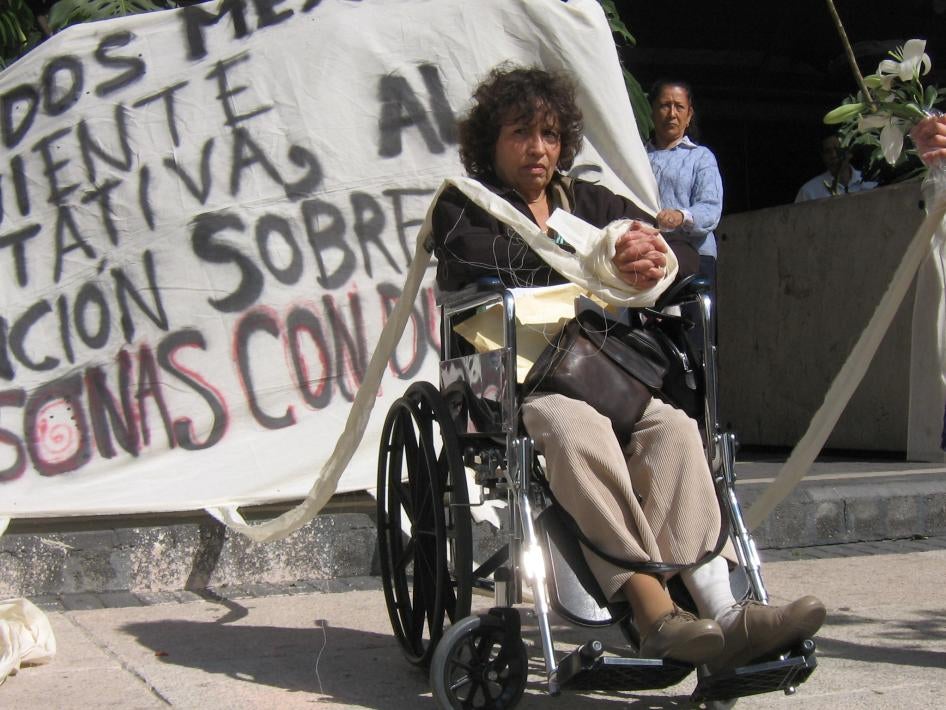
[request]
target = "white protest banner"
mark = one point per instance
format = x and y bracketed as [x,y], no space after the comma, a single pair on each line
[206,216]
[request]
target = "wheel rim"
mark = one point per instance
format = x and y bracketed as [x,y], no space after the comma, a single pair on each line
[483,670]
[416,575]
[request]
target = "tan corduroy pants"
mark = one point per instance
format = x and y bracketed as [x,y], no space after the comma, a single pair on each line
[652,501]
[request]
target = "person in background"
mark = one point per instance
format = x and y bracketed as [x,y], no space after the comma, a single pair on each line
[688,179]
[839,178]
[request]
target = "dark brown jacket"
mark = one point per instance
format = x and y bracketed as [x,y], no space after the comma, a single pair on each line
[471,244]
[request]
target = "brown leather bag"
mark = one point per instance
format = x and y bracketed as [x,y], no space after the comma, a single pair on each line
[611,366]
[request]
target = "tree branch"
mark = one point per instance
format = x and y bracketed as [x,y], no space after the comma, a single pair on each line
[858,77]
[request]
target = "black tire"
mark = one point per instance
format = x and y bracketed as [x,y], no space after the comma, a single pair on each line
[427,573]
[479,664]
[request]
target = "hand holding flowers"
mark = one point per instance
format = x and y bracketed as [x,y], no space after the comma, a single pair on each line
[929,137]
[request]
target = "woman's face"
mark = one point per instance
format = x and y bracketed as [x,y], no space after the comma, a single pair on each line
[672,114]
[527,153]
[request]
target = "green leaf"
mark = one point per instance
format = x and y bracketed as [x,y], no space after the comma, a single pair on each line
[844,113]
[635,93]
[909,111]
[16,25]
[640,104]
[930,96]
[615,21]
[69,12]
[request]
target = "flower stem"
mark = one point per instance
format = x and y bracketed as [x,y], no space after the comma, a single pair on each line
[832,10]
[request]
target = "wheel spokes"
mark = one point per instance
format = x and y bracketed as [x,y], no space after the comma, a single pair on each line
[402,499]
[421,497]
[460,682]
[450,599]
[484,648]
[419,461]
[405,558]
[418,611]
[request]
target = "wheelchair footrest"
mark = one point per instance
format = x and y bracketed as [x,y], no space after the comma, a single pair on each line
[587,669]
[783,674]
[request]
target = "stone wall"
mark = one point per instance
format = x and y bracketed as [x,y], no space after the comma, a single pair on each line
[797,285]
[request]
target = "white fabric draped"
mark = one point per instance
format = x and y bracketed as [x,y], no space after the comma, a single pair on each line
[288,166]
[585,270]
[928,350]
[26,638]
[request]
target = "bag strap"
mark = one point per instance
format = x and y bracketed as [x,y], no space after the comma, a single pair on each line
[634,350]
[654,568]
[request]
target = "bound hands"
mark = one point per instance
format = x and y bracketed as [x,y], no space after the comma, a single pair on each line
[929,136]
[640,256]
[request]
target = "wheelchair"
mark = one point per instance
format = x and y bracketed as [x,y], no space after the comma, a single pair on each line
[438,441]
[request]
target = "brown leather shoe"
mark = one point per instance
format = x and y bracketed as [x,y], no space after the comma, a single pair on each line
[683,637]
[760,630]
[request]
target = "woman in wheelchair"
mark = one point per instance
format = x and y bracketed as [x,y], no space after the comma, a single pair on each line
[652,499]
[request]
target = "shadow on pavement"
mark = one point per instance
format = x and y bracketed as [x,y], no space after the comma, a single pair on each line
[349,666]
[892,655]
[931,628]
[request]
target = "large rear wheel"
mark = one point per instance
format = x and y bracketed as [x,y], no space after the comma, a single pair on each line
[424,531]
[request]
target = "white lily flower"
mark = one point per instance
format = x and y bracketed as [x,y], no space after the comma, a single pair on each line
[891,134]
[894,100]
[891,139]
[914,58]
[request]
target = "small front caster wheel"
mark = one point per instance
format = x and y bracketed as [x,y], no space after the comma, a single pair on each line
[480,663]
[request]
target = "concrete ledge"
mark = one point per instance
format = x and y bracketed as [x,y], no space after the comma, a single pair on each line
[181,556]
[844,512]
[797,286]
[122,557]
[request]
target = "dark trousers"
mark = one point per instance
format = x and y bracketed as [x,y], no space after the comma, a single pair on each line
[692,311]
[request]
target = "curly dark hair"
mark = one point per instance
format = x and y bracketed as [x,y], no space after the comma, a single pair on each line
[511,93]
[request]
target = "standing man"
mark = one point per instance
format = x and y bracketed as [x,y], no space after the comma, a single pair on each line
[839,177]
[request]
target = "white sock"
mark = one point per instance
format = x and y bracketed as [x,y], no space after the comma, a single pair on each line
[708,584]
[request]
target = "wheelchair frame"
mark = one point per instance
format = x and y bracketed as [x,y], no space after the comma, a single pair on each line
[429,577]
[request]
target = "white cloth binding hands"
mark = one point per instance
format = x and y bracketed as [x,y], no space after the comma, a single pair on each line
[596,248]
[590,266]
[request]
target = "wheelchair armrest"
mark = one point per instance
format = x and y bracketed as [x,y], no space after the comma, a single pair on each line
[687,287]
[471,292]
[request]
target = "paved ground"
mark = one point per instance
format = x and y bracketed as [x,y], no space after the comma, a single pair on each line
[883,646]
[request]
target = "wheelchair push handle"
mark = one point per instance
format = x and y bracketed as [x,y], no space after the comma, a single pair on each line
[686,288]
